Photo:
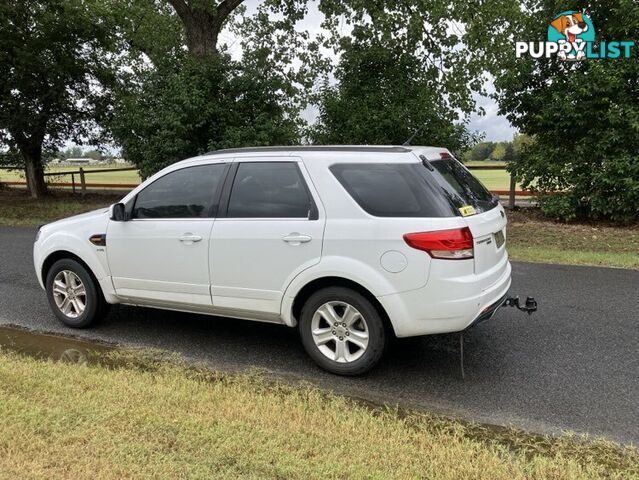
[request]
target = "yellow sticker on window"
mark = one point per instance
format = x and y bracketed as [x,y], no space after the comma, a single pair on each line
[467,210]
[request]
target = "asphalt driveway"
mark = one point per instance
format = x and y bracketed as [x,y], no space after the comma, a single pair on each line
[574,365]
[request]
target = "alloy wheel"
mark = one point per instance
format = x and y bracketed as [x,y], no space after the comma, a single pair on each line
[340,331]
[69,294]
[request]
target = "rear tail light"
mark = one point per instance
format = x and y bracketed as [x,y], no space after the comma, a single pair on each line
[455,244]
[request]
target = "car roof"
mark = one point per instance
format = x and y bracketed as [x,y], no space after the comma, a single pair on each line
[318,152]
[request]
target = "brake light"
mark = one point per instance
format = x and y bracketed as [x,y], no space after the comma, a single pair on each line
[445,155]
[454,244]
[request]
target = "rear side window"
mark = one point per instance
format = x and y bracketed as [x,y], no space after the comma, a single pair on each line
[186,193]
[269,190]
[393,189]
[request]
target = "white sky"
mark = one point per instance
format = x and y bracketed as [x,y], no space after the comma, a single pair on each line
[494,127]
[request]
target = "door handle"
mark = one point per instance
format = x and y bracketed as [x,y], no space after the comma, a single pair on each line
[297,238]
[189,238]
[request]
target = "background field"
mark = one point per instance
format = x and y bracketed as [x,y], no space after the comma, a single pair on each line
[493,179]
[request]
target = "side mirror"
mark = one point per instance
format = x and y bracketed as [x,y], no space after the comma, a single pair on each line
[117,212]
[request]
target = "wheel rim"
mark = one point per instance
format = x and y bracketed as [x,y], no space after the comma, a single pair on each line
[340,332]
[69,294]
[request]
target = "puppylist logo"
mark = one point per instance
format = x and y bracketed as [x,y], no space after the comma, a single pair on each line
[571,36]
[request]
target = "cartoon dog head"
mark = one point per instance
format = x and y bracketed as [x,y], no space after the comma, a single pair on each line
[570,25]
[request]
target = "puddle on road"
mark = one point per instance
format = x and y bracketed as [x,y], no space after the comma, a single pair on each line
[51,347]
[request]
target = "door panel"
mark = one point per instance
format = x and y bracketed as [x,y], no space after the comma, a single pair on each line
[161,255]
[272,238]
[149,261]
[252,264]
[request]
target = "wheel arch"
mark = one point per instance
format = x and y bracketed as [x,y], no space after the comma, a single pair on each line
[335,281]
[53,257]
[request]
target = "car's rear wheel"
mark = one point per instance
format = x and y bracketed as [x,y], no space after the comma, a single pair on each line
[342,331]
[73,294]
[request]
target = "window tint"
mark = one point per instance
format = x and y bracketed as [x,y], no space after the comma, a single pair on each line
[393,190]
[461,187]
[269,190]
[186,193]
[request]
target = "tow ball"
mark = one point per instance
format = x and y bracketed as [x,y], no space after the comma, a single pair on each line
[529,306]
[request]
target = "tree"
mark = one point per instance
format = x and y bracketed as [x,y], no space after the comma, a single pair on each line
[383,97]
[509,153]
[584,117]
[499,152]
[481,151]
[185,103]
[50,53]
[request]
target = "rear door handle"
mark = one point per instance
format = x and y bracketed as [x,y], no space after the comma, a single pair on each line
[296,238]
[189,238]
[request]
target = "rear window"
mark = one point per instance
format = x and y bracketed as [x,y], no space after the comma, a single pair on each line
[393,189]
[461,187]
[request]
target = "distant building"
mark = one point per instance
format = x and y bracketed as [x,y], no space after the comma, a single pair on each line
[81,161]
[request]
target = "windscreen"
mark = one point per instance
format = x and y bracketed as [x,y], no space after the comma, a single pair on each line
[460,187]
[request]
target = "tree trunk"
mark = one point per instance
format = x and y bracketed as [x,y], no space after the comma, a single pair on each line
[201,37]
[34,171]
[203,23]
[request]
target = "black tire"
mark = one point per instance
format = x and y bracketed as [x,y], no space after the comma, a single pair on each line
[96,307]
[377,335]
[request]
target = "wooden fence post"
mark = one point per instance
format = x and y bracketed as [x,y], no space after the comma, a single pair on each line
[511,193]
[73,183]
[83,183]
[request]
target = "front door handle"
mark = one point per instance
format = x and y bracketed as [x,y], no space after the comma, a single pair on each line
[297,238]
[189,238]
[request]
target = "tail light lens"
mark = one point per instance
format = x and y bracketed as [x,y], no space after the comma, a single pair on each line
[454,244]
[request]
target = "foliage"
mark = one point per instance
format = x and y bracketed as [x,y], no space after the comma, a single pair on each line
[404,66]
[498,153]
[383,97]
[175,114]
[584,117]
[480,151]
[51,54]
[183,105]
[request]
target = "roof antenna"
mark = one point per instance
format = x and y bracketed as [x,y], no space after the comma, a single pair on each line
[418,131]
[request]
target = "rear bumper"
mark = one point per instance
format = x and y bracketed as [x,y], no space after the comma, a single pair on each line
[489,311]
[451,305]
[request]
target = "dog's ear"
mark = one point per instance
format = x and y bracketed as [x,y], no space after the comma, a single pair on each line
[560,24]
[578,16]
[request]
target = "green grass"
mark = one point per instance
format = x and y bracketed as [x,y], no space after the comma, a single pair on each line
[535,239]
[128,177]
[168,421]
[17,208]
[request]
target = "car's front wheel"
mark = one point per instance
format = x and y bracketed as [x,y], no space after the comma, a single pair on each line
[342,331]
[74,295]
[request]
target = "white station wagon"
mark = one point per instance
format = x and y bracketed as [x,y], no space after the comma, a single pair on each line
[350,244]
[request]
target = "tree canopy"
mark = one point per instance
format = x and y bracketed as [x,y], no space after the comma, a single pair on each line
[49,64]
[584,117]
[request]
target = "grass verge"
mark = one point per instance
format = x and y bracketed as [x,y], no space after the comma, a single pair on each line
[534,238]
[168,421]
[17,208]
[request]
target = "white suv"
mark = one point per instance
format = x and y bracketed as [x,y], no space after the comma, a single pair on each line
[349,244]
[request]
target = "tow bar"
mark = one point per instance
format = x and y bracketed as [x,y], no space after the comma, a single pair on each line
[529,306]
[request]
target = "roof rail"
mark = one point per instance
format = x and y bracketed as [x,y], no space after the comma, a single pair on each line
[316,148]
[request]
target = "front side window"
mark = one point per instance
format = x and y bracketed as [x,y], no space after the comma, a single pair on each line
[269,190]
[186,193]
